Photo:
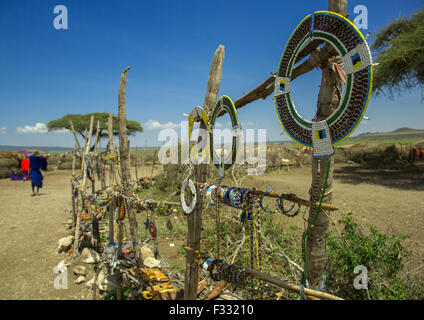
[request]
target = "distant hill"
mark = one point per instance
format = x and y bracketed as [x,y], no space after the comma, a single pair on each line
[401,134]
[405,129]
[42,148]
[49,149]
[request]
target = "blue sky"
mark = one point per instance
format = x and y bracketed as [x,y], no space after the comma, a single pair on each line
[47,73]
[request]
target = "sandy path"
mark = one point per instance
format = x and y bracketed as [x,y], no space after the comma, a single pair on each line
[29,231]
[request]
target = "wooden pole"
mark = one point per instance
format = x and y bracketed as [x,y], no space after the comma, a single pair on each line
[112,208]
[124,152]
[194,219]
[291,198]
[280,283]
[144,155]
[82,188]
[75,135]
[129,159]
[93,181]
[136,163]
[153,164]
[73,160]
[73,188]
[316,242]
[290,287]
[97,136]
[111,149]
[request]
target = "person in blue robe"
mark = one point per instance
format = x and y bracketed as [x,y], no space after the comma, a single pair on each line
[36,164]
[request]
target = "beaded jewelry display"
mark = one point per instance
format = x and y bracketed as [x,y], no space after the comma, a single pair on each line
[225,104]
[356,55]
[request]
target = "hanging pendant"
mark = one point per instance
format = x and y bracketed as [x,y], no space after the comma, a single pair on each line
[146,223]
[169,224]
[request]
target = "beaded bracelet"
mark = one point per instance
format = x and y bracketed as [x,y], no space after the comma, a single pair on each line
[280,201]
[209,195]
[203,189]
[232,196]
[206,264]
[188,209]
[237,199]
[260,202]
[226,196]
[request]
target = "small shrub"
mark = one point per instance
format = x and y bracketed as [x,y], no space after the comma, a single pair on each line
[389,157]
[381,254]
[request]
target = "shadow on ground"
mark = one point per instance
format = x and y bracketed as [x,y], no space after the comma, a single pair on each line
[406,178]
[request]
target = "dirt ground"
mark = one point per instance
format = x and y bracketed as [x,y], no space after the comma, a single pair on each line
[393,201]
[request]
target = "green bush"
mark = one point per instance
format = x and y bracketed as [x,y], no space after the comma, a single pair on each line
[382,255]
[379,157]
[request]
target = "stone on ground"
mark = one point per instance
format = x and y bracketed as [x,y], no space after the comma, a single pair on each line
[65,243]
[146,252]
[80,270]
[90,256]
[151,262]
[105,282]
[79,280]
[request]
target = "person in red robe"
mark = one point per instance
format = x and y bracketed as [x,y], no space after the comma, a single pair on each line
[25,168]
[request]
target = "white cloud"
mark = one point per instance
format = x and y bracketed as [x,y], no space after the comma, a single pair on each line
[154,124]
[38,128]
[62,130]
[3,129]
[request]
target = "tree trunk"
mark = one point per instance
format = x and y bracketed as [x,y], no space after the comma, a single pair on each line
[316,242]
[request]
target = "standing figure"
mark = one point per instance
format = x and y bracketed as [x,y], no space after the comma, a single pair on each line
[25,168]
[36,164]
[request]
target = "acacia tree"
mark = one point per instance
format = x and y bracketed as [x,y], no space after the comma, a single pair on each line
[399,48]
[82,121]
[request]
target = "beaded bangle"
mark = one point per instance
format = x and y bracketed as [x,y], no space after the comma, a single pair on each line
[226,196]
[190,208]
[237,199]
[232,196]
[224,103]
[260,202]
[203,189]
[280,201]
[206,264]
[209,195]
